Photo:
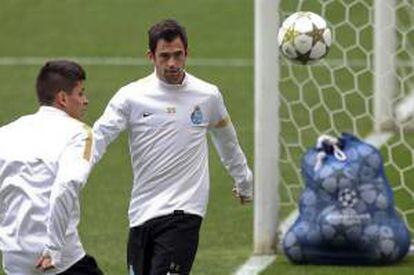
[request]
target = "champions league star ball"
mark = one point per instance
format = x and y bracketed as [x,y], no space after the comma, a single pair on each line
[304,37]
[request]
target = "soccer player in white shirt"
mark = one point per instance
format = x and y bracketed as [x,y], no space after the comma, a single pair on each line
[168,115]
[45,159]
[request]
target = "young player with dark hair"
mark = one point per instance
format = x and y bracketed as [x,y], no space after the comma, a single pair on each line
[45,159]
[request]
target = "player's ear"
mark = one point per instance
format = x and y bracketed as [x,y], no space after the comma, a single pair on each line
[150,55]
[61,99]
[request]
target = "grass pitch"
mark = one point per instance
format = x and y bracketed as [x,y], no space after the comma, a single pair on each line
[283,266]
[217,29]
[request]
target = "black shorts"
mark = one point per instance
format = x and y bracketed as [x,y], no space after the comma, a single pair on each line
[164,245]
[85,266]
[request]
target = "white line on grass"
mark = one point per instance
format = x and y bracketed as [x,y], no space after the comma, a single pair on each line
[120,61]
[287,223]
[255,265]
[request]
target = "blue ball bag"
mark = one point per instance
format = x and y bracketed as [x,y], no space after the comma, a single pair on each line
[346,211]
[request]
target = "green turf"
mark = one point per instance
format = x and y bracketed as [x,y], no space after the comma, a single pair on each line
[330,98]
[118,27]
[283,266]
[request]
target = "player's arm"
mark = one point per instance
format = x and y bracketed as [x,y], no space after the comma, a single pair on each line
[231,155]
[74,167]
[113,121]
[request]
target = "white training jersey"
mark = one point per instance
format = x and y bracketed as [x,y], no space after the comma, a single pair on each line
[167,126]
[44,162]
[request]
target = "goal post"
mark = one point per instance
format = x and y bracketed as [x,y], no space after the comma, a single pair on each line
[266,200]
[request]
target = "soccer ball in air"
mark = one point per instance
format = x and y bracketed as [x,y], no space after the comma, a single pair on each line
[304,37]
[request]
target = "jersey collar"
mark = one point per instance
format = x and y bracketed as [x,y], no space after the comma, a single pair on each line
[52,110]
[172,86]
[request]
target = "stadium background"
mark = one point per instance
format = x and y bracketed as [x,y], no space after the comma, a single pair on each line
[221,51]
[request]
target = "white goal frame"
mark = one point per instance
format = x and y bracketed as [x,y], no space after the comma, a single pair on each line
[266,169]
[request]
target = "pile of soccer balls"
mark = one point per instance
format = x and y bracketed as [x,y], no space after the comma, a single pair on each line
[346,211]
[304,37]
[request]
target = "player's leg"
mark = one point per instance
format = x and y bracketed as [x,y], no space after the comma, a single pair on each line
[139,250]
[175,243]
[85,266]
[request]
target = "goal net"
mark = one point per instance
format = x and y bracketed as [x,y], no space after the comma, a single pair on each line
[365,86]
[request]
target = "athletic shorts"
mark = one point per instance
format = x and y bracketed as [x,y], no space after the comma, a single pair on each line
[164,245]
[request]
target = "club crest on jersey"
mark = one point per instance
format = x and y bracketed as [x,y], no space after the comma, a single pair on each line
[197,116]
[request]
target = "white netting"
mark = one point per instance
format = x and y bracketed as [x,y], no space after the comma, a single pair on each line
[337,95]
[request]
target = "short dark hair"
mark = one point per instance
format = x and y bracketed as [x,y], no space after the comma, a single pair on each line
[56,76]
[167,29]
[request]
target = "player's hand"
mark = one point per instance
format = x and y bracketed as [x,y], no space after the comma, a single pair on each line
[244,190]
[44,263]
[243,199]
